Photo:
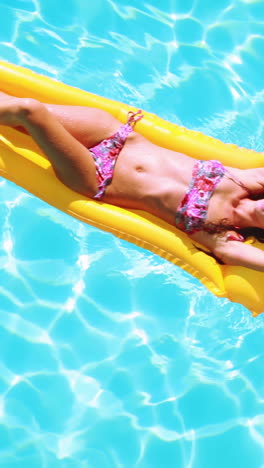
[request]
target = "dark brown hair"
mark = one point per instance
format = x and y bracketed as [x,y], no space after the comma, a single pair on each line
[214,228]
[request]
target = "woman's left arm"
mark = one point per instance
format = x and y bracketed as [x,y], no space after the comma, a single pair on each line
[231,252]
[240,254]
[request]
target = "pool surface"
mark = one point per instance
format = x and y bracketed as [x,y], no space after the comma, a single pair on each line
[111,357]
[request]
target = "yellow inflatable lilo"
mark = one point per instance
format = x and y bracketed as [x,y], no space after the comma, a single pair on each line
[22,162]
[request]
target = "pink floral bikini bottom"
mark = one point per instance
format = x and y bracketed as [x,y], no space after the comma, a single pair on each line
[105,153]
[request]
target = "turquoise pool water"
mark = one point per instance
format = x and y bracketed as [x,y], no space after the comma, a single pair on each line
[111,357]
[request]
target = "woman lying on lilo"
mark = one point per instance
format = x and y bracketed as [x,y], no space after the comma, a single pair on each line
[92,153]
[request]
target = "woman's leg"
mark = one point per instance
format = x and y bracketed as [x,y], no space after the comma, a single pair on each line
[71,160]
[88,125]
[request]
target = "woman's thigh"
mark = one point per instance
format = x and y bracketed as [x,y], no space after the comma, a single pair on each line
[86,124]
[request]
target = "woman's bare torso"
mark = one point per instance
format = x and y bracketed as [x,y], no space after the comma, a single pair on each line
[155,179]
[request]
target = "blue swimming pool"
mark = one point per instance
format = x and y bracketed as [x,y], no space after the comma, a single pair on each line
[111,357]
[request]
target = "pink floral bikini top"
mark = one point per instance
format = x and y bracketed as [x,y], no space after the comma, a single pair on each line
[105,154]
[192,211]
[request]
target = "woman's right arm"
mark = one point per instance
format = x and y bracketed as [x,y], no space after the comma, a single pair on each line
[71,160]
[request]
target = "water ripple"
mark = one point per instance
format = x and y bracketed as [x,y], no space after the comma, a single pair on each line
[145,374]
